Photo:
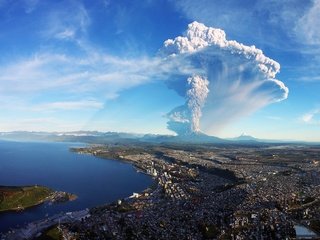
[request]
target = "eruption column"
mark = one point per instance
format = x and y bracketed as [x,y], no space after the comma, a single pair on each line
[226,80]
[196,96]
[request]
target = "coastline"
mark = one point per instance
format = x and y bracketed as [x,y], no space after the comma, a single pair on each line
[215,191]
[210,189]
[29,231]
[30,194]
[66,217]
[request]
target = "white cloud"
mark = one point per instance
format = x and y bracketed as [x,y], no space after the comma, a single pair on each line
[85,74]
[311,117]
[69,105]
[67,22]
[307,27]
[68,33]
[241,79]
[262,19]
[36,73]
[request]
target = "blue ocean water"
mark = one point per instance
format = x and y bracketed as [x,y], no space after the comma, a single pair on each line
[95,181]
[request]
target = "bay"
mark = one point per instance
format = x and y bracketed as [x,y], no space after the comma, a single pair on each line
[95,181]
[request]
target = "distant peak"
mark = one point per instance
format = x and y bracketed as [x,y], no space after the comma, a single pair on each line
[244,134]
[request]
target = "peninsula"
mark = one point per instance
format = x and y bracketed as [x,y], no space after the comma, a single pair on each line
[18,198]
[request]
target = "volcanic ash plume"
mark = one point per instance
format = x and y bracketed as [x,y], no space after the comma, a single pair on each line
[221,80]
[196,97]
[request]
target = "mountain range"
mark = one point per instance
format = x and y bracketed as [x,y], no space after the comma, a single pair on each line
[121,137]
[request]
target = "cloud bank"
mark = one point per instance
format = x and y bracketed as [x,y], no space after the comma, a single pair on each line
[221,80]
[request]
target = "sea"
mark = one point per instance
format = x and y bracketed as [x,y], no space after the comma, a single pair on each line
[94,180]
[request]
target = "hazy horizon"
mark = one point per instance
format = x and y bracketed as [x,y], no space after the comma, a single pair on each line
[140,134]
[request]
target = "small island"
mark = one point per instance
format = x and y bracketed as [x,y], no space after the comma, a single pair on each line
[18,198]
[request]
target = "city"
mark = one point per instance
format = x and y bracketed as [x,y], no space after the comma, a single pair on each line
[208,191]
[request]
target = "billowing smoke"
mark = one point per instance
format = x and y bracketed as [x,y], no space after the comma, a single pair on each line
[197,95]
[186,119]
[221,80]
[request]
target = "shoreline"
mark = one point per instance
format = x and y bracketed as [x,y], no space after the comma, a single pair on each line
[85,212]
[27,190]
[16,233]
[216,192]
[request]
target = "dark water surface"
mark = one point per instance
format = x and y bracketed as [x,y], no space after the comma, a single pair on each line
[95,181]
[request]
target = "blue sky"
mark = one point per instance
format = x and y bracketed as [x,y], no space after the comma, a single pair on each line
[95,65]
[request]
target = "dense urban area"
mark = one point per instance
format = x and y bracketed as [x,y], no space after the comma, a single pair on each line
[243,191]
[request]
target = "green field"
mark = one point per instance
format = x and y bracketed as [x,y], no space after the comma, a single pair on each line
[52,233]
[19,198]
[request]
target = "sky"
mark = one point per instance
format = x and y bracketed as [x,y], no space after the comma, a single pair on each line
[107,65]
